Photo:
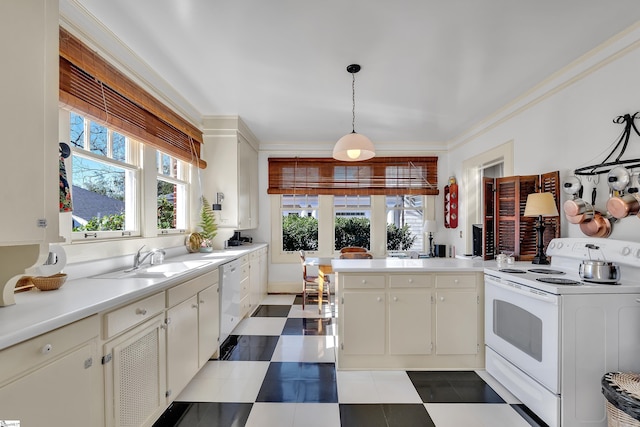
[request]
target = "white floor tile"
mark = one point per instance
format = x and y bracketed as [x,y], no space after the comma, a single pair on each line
[294,415]
[474,415]
[260,326]
[376,387]
[225,381]
[311,311]
[497,387]
[278,299]
[297,348]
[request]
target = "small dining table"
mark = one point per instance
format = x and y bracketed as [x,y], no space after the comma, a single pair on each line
[324,268]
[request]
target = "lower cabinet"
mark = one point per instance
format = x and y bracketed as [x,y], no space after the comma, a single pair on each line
[414,321]
[182,345]
[56,378]
[135,375]
[245,285]
[208,323]
[364,324]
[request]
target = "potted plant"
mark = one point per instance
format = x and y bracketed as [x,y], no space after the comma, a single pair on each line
[208,225]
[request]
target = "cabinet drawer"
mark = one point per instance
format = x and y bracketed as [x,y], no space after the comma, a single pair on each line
[410,280]
[244,287]
[456,281]
[132,314]
[244,271]
[363,281]
[46,347]
[179,293]
[244,259]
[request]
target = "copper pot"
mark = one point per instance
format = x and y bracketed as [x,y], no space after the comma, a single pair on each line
[599,226]
[623,206]
[578,211]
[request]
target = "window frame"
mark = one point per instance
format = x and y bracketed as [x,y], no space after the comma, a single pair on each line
[181,180]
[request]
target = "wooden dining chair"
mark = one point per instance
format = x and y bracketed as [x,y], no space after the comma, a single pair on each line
[356,255]
[310,284]
[352,249]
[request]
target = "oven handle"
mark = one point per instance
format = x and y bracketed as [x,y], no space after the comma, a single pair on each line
[544,297]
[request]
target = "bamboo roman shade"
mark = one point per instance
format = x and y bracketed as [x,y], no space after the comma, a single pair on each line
[377,176]
[92,86]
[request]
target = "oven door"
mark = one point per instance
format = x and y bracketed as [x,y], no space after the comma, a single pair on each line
[522,325]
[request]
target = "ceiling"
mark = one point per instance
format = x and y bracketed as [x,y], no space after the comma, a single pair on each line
[430,68]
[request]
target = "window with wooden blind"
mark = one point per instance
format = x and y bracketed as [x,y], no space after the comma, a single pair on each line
[378,176]
[95,88]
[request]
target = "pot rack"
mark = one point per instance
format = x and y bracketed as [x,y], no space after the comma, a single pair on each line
[608,164]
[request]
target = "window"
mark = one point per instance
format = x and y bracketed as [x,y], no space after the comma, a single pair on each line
[172,192]
[405,219]
[352,221]
[299,215]
[104,181]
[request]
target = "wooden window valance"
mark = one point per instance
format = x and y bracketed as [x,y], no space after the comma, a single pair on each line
[377,176]
[92,86]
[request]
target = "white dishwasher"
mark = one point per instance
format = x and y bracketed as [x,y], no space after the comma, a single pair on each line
[229,298]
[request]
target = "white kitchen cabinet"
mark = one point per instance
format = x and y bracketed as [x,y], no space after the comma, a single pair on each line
[232,170]
[245,285]
[264,272]
[192,329]
[42,378]
[421,320]
[135,375]
[255,285]
[456,314]
[29,122]
[182,345]
[363,326]
[409,322]
[208,323]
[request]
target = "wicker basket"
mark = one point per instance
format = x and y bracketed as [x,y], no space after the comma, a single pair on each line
[622,391]
[49,283]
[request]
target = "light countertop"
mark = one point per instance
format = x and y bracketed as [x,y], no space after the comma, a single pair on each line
[404,265]
[37,312]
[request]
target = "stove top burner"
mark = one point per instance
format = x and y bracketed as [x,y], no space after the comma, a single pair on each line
[558,281]
[545,271]
[512,270]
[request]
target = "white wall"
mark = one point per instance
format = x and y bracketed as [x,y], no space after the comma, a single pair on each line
[566,123]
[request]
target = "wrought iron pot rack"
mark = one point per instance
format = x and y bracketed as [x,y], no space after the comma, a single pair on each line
[608,164]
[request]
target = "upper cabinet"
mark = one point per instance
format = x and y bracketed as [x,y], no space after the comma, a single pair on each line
[231,152]
[29,122]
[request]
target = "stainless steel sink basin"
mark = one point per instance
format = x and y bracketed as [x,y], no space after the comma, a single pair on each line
[167,269]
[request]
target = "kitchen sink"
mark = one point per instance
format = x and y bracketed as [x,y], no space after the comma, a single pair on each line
[168,269]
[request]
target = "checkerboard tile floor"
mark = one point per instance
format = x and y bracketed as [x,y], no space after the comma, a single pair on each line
[278,369]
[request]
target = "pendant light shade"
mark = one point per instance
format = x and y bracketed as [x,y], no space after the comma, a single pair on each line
[353,146]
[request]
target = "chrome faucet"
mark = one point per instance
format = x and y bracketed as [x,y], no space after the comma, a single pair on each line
[139,259]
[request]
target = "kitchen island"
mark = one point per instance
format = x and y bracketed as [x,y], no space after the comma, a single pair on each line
[410,313]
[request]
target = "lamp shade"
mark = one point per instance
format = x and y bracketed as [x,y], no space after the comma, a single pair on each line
[430,226]
[540,204]
[353,147]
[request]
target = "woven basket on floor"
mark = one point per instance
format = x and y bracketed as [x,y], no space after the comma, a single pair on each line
[622,391]
[49,283]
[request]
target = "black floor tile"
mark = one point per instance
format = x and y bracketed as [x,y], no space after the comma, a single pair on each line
[529,416]
[452,387]
[299,382]
[318,326]
[205,414]
[385,415]
[248,347]
[272,311]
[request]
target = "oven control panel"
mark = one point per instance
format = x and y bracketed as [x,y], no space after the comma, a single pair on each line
[618,251]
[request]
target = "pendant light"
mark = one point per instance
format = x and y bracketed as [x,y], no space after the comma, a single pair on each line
[353,146]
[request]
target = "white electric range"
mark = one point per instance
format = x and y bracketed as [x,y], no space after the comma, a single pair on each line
[551,343]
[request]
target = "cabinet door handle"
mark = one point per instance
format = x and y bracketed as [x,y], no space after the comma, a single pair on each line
[379,299]
[194,305]
[201,301]
[456,281]
[364,281]
[46,349]
[141,311]
[395,298]
[441,298]
[410,280]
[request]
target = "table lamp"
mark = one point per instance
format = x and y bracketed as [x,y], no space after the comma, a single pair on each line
[540,205]
[430,226]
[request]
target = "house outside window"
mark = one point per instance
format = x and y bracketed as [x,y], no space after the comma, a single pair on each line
[104,181]
[172,185]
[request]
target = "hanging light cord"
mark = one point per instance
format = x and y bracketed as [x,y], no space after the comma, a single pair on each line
[353,103]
